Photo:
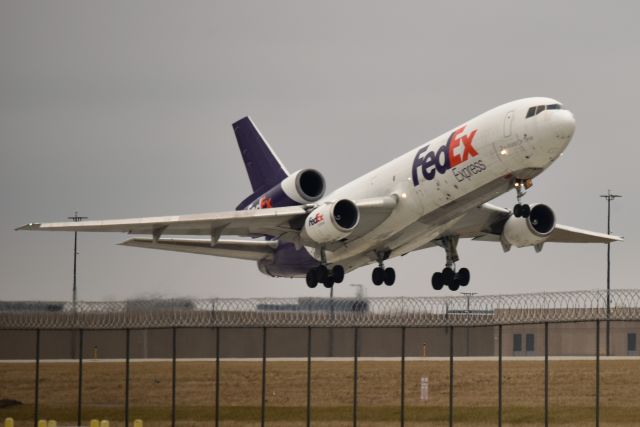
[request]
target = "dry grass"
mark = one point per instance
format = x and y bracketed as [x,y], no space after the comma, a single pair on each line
[572,392]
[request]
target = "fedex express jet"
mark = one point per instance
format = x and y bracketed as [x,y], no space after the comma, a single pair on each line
[432,196]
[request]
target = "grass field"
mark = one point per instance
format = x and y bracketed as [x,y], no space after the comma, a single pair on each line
[572,392]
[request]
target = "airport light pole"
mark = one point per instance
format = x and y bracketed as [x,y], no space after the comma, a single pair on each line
[75,218]
[609,197]
[468,295]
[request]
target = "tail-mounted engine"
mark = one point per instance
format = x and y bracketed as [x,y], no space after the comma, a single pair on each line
[301,187]
[531,231]
[331,222]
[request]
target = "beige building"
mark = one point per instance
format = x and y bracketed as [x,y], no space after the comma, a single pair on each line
[565,339]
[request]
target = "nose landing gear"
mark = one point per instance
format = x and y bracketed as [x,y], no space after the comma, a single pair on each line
[449,276]
[520,209]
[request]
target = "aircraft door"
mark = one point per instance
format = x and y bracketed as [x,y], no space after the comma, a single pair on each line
[508,124]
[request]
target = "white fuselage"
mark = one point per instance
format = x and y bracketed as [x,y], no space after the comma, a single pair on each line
[438,182]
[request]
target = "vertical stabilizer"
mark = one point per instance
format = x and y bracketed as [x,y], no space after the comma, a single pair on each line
[263,166]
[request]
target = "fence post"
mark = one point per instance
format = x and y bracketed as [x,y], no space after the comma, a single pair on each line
[355,376]
[402,354]
[264,375]
[499,375]
[36,413]
[450,376]
[126,378]
[309,376]
[173,378]
[598,372]
[217,376]
[546,374]
[80,360]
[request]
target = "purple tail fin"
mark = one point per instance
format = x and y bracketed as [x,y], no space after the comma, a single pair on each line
[263,167]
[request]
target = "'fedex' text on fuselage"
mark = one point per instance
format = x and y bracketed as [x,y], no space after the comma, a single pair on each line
[458,149]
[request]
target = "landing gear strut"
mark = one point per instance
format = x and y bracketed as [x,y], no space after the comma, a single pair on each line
[449,276]
[520,209]
[382,275]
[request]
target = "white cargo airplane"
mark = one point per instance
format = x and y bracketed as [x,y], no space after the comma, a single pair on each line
[431,196]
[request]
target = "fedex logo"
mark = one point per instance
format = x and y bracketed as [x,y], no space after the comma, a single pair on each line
[458,149]
[316,219]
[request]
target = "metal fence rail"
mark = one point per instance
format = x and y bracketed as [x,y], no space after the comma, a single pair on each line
[490,310]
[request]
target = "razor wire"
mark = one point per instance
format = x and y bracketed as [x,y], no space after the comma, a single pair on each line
[485,310]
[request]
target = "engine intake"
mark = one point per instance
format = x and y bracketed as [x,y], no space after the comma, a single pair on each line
[530,231]
[301,187]
[306,185]
[332,221]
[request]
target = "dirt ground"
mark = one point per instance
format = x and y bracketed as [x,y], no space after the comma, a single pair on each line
[571,386]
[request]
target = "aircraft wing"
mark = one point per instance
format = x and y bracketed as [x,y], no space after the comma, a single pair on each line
[284,223]
[485,223]
[257,222]
[231,248]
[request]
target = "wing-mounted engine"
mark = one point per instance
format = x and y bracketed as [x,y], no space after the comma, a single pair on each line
[299,188]
[531,231]
[331,222]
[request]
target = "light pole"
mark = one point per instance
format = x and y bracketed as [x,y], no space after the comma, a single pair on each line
[468,295]
[609,197]
[75,218]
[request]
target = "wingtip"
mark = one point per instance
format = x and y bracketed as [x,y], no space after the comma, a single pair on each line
[30,226]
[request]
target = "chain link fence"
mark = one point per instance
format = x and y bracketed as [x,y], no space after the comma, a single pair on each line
[486,310]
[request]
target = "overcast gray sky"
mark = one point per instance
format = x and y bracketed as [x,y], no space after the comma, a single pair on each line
[121,109]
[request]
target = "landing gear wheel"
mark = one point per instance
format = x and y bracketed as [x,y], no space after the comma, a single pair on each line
[312,280]
[389,276]
[337,272]
[377,277]
[437,281]
[447,276]
[463,276]
[454,285]
[322,273]
[526,210]
[517,211]
[328,283]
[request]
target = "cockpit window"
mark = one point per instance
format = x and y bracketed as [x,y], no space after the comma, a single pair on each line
[534,111]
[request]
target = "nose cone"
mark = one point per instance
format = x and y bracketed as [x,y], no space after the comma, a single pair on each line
[563,124]
[560,126]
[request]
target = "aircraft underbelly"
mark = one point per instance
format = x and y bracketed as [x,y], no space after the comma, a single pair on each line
[423,229]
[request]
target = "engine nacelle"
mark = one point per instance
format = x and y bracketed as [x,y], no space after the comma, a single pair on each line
[304,186]
[332,221]
[299,188]
[530,231]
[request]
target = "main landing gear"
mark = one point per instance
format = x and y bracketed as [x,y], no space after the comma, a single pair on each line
[520,209]
[381,275]
[328,277]
[449,276]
